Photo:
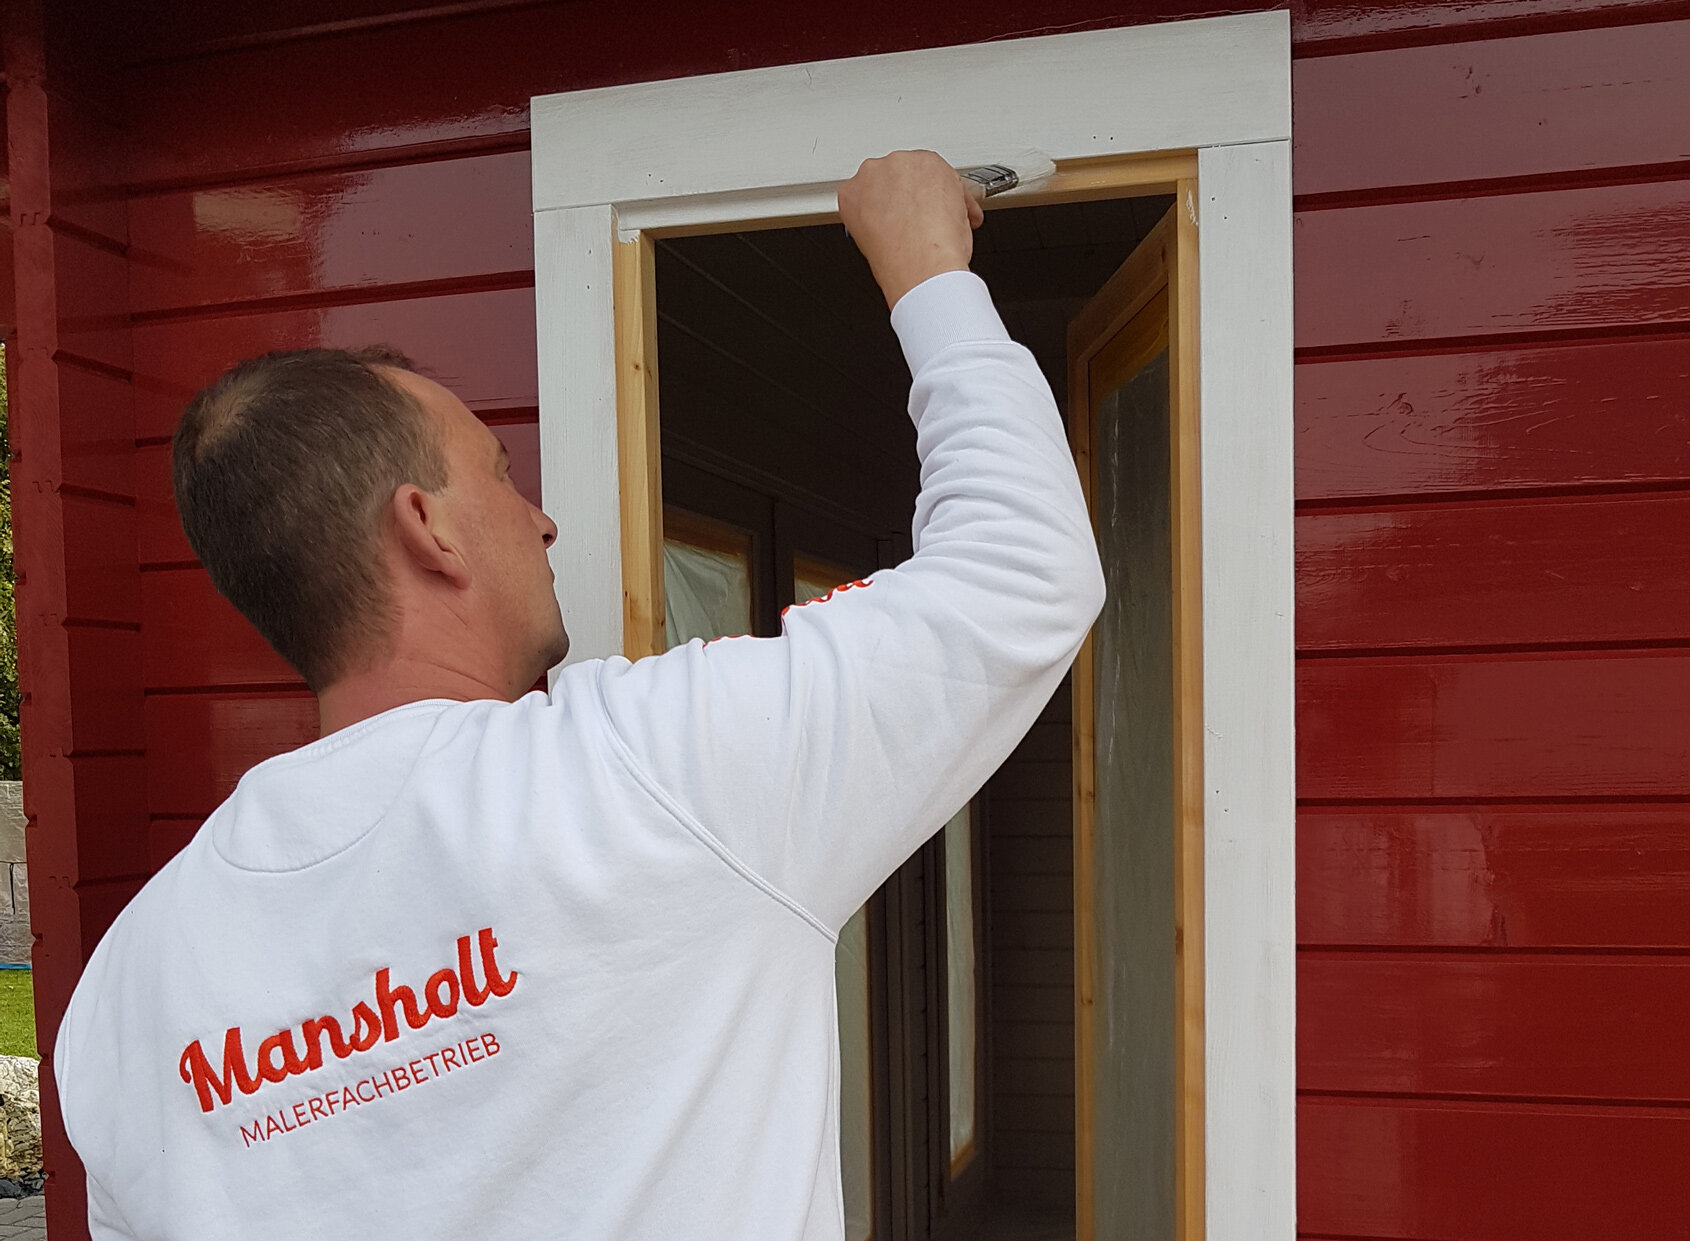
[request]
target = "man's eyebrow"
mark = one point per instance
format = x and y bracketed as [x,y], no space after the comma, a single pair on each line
[504,457]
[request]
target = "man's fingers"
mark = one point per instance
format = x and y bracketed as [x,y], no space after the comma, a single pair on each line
[901,210]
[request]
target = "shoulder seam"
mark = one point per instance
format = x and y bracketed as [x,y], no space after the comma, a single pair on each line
[704,835]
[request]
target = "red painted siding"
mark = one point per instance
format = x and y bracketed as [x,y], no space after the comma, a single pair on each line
[1425,1170]
[1493,398]
[1492,110]
[1587,416]
[1541,724]
[1492,462]
[1553,877]
[1573,260]
[1486,573]
[1499,1023]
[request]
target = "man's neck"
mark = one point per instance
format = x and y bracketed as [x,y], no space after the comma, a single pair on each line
[395,682]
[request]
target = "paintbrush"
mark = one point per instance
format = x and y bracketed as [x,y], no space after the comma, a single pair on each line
[1024,169]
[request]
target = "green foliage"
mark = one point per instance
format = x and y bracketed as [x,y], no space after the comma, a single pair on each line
[10,761]
[17,1013]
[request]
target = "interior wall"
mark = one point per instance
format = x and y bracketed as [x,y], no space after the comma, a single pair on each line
[780,372]
[1029,967]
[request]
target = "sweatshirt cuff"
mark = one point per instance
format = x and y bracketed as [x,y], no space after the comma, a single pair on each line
[944,310]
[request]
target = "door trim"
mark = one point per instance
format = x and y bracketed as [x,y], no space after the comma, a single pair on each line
[1123,111]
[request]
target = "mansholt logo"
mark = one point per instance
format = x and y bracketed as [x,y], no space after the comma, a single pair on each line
[283,1055]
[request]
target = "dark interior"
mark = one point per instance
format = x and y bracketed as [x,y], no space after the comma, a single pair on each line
[783,415]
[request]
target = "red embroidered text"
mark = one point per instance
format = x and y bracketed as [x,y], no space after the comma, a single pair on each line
[282,1055]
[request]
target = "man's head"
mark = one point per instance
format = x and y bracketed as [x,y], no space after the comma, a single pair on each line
[356,513]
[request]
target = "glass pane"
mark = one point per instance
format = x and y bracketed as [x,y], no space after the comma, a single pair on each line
[808,587]
[856,1102]
[960,975]
[706,593]
[1133,827]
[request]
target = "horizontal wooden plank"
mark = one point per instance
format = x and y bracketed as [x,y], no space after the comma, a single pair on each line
[1037,818]
[1022,1148]
[1549,1026]
[1044,1005]
[1495,876]
[421,83]
[1529,727]
[1033,930]
[1016,1075]
[1551,261]
[192,636]
[1323,21]
[1511,107]
[1031,966]
[468,72]
[1434,1171]
[1565,570]
[1060,708]
[710,401]
[1602,412]
[452,219]
[1025,779]
[1052,1114]
[1049,741]
[1044,1197]
[1035,1040]
[199,745]
[1030,855]
[1032,894]
[759,294]
[480,345]
[1046,999]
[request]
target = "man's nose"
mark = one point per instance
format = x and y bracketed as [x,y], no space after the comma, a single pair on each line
[548,527]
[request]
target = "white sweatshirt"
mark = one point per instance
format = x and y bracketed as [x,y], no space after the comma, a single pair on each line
[563,967]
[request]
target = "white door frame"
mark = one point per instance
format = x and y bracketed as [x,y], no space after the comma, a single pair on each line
[768,145]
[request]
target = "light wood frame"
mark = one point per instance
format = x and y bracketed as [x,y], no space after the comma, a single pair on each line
[1147,306]
[1123,112]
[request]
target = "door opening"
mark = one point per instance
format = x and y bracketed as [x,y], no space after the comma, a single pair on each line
[973,1083]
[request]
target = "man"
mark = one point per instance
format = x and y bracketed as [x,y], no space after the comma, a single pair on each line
[495,964]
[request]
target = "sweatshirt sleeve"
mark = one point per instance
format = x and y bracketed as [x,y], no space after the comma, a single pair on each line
[823,758]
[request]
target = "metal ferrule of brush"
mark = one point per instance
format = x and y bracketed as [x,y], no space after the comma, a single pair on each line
[992,178]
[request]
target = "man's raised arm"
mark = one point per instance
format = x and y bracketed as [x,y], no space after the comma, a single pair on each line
[821,759]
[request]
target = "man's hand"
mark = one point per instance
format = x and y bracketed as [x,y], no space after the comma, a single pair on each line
[912,217]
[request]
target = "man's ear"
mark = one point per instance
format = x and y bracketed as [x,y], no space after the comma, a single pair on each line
[425,537]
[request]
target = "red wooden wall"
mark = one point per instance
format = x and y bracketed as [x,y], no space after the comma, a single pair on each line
[1493,404]
[1493,395]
